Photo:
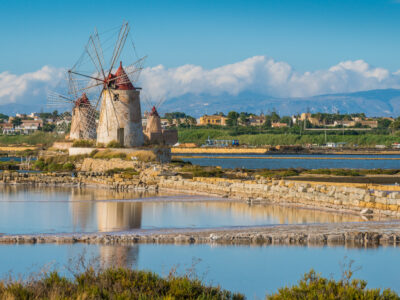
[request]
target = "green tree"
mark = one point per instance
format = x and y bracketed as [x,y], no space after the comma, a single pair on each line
[243,118]
[232,118]
[395,125]
[275,117]
[267,123]
[48,127]
[384,123]
[287,120]
[16,122]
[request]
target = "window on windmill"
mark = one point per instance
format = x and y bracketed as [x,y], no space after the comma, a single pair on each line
[116,97]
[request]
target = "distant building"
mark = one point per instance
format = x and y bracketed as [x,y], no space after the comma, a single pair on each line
[29,126]
[256,120]
[7,128]
[305,116]
[212,120]
[370,123]
[279,125]
[345,123]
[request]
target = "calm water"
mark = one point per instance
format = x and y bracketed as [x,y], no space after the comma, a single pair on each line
[32,210]
[247,269]
[298,161]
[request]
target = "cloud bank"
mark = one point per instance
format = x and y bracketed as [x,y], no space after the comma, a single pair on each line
[29,88]
[258,74]
[264,75]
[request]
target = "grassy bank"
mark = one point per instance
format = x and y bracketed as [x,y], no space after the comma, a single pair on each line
[280,137]
[38,138]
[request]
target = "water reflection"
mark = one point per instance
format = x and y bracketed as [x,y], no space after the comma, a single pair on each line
[109,216]
[26,210]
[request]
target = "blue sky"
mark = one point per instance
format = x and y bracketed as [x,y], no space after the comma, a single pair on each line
[274,48]
[309,35]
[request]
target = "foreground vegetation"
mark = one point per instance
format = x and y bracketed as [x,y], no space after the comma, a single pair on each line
[286,136]
[314,286]
[124,283]
[113,283]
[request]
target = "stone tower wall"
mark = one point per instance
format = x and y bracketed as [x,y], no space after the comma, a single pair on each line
[83,124]
[120,118]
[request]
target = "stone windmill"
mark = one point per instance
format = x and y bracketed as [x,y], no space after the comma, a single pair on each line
[154,132]
[83,120]
[120,112]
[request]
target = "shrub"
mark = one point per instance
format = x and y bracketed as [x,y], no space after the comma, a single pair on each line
[84,143]
[313,286]
[335,172]
[114,144]
[68,166]
[113,283]
[280,173]
[198,171]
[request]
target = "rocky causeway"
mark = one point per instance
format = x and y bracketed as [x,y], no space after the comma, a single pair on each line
[367,234]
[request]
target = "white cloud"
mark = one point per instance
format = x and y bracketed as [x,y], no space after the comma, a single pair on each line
[259,74]
[264,75]
[29,87]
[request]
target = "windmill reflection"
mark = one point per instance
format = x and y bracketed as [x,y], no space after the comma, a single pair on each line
[92,212]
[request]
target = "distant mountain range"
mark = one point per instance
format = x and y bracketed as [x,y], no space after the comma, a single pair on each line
[372,103]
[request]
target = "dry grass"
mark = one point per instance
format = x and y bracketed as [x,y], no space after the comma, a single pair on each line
[144,156]
[108,154]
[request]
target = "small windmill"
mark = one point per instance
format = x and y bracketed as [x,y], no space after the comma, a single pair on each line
[83,120]
[153,131]
[95,74]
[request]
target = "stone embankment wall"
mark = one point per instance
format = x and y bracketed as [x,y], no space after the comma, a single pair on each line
[82,179]
[353,197]
[198,150]
[311,194]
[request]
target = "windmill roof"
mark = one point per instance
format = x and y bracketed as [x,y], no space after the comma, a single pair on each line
[123,82]
[82,101]
[154,112]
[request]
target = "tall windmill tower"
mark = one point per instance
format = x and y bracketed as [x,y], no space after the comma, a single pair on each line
[120,111]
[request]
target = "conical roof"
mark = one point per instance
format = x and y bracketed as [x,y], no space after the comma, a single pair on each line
[123,82]
[82,101]
[154,112]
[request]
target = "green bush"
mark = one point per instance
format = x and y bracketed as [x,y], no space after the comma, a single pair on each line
[113,283]
[55,164]
[114,144]
[280,173]
[84,143]
[336,172]
[313,286]
[198,171]
[68,166]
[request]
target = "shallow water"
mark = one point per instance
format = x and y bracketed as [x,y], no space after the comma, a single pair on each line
[297,161]
[26,210]
[253,270]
